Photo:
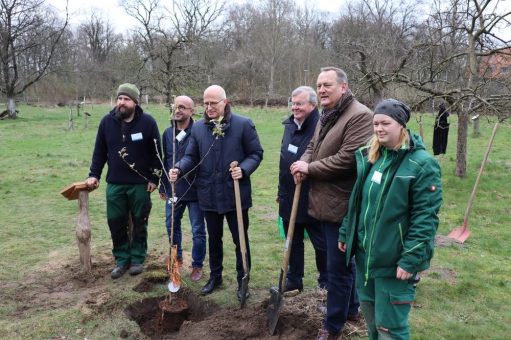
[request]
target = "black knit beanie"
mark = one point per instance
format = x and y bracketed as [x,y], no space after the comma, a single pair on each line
[394,109]
[129,90]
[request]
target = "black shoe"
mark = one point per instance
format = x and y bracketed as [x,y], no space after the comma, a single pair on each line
[238,294]
[211,285]
[290,287]
[118,271]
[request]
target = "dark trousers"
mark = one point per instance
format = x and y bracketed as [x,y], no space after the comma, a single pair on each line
[296,259]
[123,200]
[215,226]
[342,297]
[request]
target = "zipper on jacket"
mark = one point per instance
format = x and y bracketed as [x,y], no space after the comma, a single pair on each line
[366,274]
[401,235]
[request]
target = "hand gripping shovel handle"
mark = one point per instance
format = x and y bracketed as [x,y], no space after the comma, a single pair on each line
[241,233]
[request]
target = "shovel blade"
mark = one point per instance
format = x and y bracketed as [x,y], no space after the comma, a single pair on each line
[274,307]
[459,234]
[244,290]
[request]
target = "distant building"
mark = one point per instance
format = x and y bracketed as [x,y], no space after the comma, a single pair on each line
[496,66]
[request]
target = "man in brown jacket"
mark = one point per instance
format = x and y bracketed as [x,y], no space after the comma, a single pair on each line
[329,163]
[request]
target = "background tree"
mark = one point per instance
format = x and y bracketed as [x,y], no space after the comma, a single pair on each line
[29,36]
[168,36]
[447,51]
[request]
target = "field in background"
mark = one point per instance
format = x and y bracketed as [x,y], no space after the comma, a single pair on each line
[464,295]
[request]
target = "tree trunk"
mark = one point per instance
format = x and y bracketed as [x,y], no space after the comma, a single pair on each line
[11,108]
[270,86]
[477,127]
[83,230]
[461,150]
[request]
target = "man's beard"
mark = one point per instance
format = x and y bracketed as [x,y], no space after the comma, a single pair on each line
[125,113]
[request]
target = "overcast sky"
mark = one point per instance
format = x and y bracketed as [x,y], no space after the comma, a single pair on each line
[80,10]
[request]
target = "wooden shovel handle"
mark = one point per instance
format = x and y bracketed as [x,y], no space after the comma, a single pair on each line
[239,215]
[478,179]
[290,234]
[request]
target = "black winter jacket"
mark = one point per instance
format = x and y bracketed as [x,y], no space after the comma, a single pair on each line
[213,154]
[140,139]
[294,144]
[185,188]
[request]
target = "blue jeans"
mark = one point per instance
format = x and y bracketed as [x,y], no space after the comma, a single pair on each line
[196,216]
[296,259]
[342,296]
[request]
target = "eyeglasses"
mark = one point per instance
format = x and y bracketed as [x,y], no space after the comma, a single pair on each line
[182,108]
[297,104]
[206,104]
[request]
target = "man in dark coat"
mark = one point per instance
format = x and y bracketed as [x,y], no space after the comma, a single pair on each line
[129,141]
[441,131]
[298,131]
[217,140]
[177,137]
[329,162]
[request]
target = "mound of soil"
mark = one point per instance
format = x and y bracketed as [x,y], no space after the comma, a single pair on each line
[194,318]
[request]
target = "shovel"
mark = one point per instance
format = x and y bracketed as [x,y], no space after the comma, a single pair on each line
[461,233]
[277,294]
[243,246]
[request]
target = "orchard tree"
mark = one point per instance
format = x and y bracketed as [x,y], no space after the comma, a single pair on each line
[29,36]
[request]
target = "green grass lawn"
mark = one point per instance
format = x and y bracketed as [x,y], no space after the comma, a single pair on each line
[466,293]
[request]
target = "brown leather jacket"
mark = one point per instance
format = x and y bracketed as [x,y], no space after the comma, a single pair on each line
[332,167]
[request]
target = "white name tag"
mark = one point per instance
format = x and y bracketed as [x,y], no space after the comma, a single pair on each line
[292,148]
[136,136]
[180,136]
[376,177]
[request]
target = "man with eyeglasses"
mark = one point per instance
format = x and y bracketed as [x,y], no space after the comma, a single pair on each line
[298,131]
[329,162]
[217,140]
[177,137]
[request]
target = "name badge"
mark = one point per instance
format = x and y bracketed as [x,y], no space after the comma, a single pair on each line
[376,177]
[136,136]
[292,148]
[180,136]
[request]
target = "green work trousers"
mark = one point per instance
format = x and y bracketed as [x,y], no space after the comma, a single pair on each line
[123,201]
[385,303]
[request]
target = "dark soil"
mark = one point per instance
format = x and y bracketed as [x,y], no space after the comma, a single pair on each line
[190,317]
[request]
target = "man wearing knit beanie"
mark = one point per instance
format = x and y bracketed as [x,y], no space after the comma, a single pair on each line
[129,90]
[128,140]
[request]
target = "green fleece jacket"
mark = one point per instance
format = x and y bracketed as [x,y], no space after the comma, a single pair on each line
[402,229]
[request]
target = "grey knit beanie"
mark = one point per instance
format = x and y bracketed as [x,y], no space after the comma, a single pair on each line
[394,109]
[129,90]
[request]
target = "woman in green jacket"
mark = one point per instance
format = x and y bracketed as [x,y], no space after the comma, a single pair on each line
[392,220]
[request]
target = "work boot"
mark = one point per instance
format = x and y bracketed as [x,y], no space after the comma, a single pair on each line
[118,271]
[211,285]
[136,268]
[196,274]
[325,334]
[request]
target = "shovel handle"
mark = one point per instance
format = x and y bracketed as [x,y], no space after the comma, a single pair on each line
[290,234]
[478,179]
[239,215]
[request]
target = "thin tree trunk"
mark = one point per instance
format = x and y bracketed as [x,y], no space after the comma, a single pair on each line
[477,127]
[461,150]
